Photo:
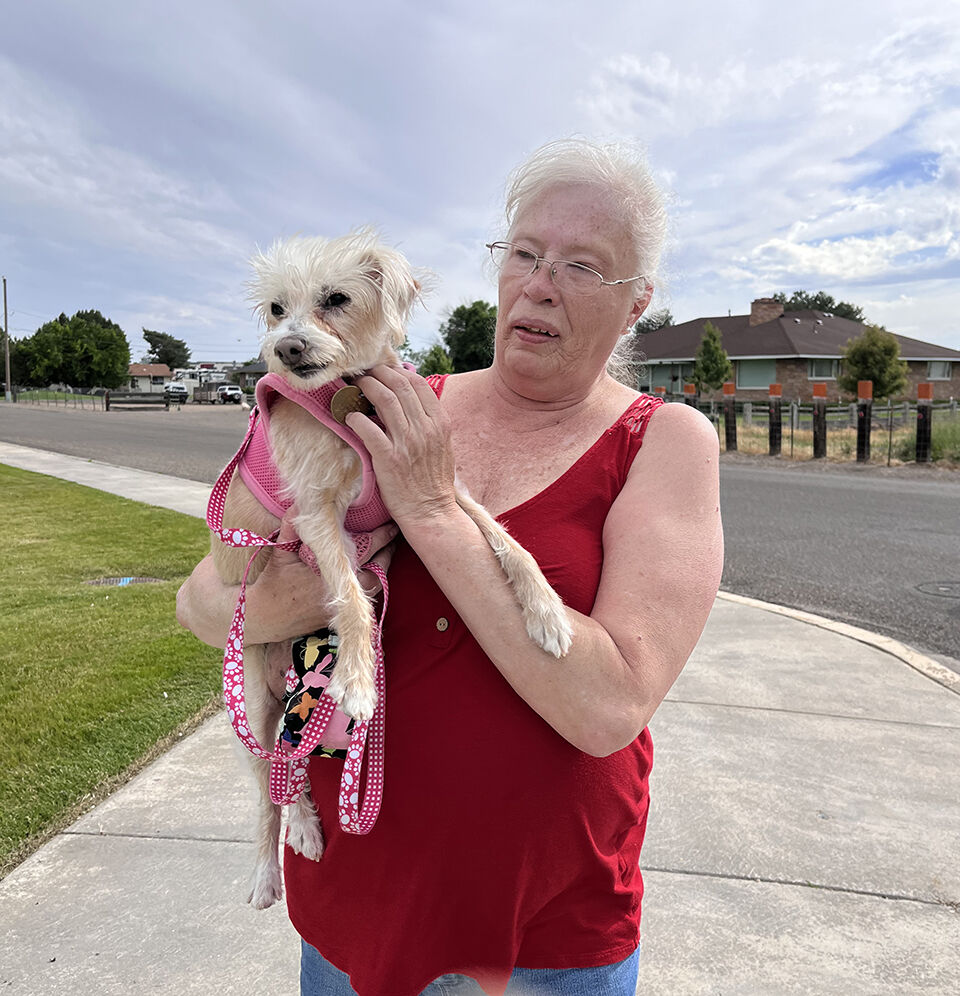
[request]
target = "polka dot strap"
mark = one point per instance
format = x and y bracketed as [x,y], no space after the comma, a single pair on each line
[288,771]
[218,499]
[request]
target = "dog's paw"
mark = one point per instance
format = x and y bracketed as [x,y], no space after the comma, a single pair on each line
[352,684]
[357,698]
[266,887]
[549,627]
[304,833]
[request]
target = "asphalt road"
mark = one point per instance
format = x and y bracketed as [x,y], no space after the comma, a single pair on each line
[873,547]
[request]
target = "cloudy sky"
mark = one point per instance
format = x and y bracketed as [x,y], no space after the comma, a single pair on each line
[148,148]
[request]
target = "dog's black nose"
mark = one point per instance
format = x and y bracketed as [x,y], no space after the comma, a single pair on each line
[290,350]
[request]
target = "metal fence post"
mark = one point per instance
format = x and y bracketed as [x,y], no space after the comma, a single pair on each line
[864,418]
[775,425]
[819,421]
[730,414]
[924,421]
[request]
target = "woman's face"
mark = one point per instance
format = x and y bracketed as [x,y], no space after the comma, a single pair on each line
[543,331]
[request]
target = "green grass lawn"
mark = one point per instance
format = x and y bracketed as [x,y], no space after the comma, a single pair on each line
[94,680]
[60,399]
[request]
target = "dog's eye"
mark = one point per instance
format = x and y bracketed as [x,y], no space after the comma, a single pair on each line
[335,300]
[276,310]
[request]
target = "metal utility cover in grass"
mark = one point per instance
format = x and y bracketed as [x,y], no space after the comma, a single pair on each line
[123,582]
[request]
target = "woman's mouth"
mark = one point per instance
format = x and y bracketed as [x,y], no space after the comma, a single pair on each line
[535,330]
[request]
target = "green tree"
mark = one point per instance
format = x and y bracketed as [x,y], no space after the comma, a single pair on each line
[164,348]
[653,320]
[468,335]
[874,356]
[39,358]
[18,369]
[434,360]
[711,366]
[86,350]
[821,301]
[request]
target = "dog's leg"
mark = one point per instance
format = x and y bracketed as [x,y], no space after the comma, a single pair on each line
[352,685]
[304,833]
[263,715]
[543,611]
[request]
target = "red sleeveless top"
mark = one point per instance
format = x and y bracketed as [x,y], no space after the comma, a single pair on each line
[499,844]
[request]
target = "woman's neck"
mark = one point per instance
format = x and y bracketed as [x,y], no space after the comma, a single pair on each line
[550,399]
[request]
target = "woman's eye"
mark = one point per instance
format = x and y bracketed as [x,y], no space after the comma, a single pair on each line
[527,255]
[276,310]
[335,300]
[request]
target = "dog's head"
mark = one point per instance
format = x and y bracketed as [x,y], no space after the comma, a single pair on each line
[331,307]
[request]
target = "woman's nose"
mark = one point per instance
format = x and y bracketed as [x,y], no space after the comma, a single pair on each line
[539,285]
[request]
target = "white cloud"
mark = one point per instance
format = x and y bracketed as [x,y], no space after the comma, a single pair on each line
[792,160]
[70,183]
[166,140]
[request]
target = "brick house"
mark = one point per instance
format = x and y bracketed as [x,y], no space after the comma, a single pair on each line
[796,349]
[249,373]
[148,377]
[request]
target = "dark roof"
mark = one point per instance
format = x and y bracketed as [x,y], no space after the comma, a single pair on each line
[794,334]
[257,367]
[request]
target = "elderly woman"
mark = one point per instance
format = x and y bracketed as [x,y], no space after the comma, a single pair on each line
[506,852]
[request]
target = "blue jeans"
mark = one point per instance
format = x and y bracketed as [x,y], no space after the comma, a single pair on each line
[319,978]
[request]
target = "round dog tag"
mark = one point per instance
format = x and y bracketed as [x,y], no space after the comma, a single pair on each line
[349,399]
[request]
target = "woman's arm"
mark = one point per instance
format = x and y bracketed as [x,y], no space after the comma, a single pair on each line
[286,601]
[663,554]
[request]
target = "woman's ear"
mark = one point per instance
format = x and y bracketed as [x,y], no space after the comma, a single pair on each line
[639,305]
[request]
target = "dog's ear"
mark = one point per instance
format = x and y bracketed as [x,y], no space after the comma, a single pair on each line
[391,272]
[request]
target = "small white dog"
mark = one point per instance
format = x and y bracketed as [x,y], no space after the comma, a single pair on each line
[334,308]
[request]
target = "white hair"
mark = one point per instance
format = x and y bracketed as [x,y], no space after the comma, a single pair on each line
[619,168]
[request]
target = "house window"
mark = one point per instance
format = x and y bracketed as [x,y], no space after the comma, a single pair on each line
[671,376]
[823,369]
[658,375]
[756,374]
[939,370]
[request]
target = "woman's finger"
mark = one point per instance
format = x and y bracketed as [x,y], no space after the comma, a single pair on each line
[287,534]
[369,544]
[368,580]
[382,394]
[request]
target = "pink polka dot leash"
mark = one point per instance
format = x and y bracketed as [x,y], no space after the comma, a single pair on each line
[288,766]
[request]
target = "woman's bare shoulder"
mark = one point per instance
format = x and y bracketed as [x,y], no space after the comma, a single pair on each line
[680,454]
[673,422]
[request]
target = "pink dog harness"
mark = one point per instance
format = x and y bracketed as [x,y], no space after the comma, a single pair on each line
[288,768]
[260,474]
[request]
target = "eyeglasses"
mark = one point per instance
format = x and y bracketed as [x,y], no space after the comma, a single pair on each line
[572,278]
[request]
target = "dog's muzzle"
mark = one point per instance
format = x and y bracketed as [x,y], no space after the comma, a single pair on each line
[290,350]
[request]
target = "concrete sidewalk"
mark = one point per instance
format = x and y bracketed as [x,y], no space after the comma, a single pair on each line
[804,835]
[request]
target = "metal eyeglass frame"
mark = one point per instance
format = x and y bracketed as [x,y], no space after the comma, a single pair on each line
[537,260]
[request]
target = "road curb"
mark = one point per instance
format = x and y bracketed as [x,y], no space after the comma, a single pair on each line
[927,666]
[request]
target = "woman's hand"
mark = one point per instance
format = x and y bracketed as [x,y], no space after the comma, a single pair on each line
[412,454]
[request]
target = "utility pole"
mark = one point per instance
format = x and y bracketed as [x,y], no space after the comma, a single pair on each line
[6,341]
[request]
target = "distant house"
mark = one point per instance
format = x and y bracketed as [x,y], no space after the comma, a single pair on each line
[796,349]
[148,377]
[248,374]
